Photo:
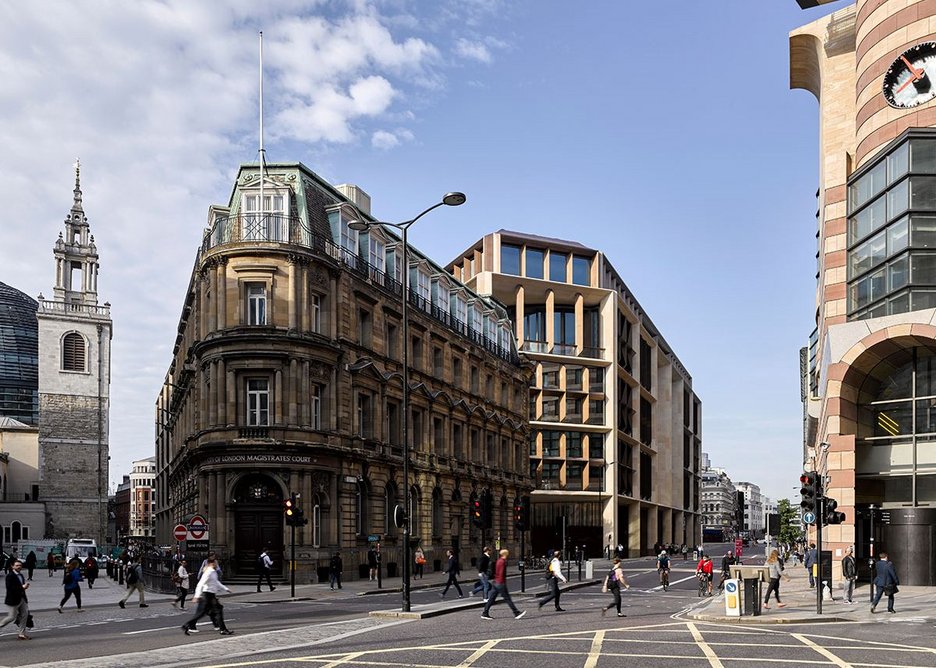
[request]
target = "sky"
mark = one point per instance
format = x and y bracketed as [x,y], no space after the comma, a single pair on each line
[661,133]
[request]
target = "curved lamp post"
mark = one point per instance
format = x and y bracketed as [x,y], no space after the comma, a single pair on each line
[450,199]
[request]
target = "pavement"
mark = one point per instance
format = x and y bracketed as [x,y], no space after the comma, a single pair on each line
[46,592]
[912,603]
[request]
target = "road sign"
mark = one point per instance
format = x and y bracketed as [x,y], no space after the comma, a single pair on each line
[198,527]
[732,598]
[809,518]
[180,532]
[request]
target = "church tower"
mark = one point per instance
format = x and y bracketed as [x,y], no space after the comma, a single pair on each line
[74,386]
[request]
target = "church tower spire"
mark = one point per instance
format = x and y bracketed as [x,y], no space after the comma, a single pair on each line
[76,258]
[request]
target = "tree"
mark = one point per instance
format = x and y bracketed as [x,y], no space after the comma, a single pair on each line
[790,529]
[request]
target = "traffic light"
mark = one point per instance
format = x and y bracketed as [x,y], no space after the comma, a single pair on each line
[811,491]
[290,510]
[522,513]
[476,515]
[831,516]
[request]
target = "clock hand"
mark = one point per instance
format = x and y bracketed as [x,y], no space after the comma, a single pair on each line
[916,72]
[917,76]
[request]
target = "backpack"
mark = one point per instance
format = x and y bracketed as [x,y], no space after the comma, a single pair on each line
[611,580]
[261,563]
[132,575]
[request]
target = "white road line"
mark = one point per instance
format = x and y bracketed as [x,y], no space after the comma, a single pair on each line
[169,628]
[706,650]
[659,587]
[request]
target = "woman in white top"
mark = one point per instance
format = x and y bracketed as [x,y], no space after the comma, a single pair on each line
[181,580]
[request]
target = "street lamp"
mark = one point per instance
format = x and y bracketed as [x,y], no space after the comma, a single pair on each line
[450,199]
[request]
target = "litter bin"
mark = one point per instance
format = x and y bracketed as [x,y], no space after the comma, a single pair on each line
[589,569]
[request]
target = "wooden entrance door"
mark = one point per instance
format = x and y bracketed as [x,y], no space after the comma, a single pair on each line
[256,529]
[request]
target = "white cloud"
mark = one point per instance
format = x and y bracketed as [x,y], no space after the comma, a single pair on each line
[472,50]
[159,99]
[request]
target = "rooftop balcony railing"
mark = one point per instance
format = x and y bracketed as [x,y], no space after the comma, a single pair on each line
[73,308]
[280,229]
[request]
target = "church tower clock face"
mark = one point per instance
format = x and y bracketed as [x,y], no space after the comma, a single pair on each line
[911,79]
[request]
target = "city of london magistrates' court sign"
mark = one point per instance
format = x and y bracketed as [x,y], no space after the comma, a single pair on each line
[259,459]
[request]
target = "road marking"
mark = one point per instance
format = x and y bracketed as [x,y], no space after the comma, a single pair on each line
[823,651]
[345,659]
[706,650]
[169,628]
[595,651]
[659,587]
[478,653]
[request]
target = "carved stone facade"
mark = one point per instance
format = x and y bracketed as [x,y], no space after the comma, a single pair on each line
[286,378]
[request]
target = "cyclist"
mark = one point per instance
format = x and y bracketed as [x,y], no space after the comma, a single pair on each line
[663,566]
[705,568]
[726,563]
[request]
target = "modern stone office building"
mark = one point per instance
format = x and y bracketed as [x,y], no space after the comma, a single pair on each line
[616,429]
[286,376]
[870,369]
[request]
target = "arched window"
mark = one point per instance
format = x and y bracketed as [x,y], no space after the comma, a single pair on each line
[316,520]
[415,518]
[360,509]
[390,502]
[436,528]
[74,352]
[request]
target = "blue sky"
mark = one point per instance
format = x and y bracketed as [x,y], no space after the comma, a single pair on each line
[663,134]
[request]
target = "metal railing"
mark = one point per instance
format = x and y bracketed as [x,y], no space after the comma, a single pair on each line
[278,228]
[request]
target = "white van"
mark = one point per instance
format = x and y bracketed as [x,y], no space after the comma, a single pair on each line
[80,548]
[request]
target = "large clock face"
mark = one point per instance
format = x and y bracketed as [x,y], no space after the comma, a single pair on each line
[911,79]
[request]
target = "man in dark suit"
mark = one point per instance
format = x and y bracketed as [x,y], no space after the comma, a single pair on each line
[885,582]
[15,600]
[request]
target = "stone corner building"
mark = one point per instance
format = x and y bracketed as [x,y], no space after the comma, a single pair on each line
[74,387]
[286,377]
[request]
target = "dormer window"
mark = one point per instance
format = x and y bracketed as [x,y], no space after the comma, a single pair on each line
[268,223]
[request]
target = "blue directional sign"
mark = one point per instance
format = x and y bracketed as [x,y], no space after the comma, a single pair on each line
[731,586]
[809,518]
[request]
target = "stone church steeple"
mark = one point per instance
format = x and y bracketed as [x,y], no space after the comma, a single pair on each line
[76,258]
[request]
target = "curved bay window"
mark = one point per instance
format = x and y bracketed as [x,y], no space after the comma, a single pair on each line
[892,230]
[896,438]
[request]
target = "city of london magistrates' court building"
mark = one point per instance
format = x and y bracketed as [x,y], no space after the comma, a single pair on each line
[286,377]
[870,369]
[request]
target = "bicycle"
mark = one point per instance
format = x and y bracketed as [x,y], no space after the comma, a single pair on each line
[703,584]
[664,578]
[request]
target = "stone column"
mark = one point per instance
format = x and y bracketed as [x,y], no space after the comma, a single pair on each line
[231,388]
[211,307]
[212,393]
[278,400]
[291,301]
[221,382]
[293,391]
[222,293]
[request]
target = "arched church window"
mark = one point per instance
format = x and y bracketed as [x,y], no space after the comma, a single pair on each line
[74,352]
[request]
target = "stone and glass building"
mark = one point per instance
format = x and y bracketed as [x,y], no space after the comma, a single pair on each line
[753,509]
[74,386]
[616,429]
[286,377]
[19,356]
[870,368]
[719,506]
[142,499]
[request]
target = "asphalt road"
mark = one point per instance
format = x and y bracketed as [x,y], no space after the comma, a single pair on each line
[337,630]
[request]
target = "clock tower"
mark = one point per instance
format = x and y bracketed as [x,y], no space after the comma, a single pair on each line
[74,386]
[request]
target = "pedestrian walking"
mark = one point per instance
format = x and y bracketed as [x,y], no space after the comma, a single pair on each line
[134,580]
[50,563]
[849,573]
[264,567]
[206,597]
[809,560]
[181,581]
[885,582]
[485,564]
[499,588]
[15,600]
[613,582]
[334,570]
[553,575]
[211,555]
[420,558]
[451,568]
[71,584]
[372,563]
[30,564]
[685,552]
[774,573]
[90,571]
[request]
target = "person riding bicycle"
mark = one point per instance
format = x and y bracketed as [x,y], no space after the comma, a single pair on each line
[726,563]
[705,569]
[663,566]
